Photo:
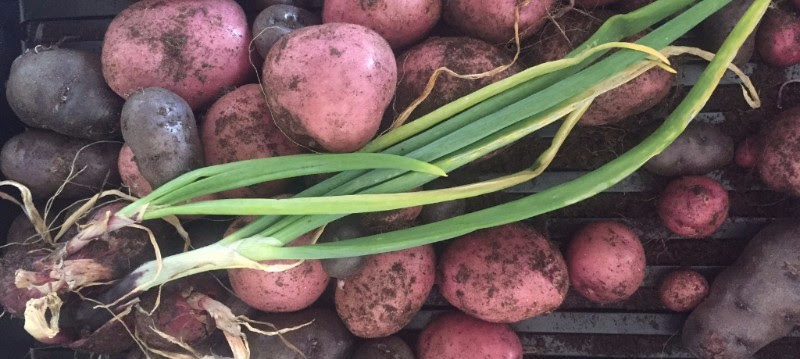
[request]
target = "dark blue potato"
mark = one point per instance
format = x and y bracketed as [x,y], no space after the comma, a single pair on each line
[384,348]
[325,338]
[278,20]
[714,30]
[339,231]
[42,160]
[443,210]
[64,91]
[160,129]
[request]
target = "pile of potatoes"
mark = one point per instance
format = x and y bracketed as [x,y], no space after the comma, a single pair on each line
[183,84]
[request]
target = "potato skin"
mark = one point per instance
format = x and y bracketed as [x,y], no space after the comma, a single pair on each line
[401,23]
[63,90]
[693,206]
[387,293]
[325,338]
[606,262]
[748,152]
[778,38]
[753,302]
[384,348]
[239,127]
[328,85]
[161,131]
[194,48]
[42,160]
[503,274]
[460,54]
[493,20]
[716,28]
[455,335]
[779,165]
[700,149]
[682,290]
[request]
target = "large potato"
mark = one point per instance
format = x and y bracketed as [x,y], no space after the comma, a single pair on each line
[458,336]
[779,164]
[700,149]
[503,274]
[194,48]
[493,20]
[64,91]
[239,127]
[328,85]
[387,293]
[161,131]
[42,160]
[401,23]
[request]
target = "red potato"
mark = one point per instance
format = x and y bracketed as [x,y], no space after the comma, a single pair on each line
[387,293]
[503,274]
[693,206]
[287,291]
[328,85]
[778,38]
[493,20]
[239,127]
[683,290]
[457,336]
[779,164]
[606,262]
[748,153]
[401,23]
[461,54]
[194,48]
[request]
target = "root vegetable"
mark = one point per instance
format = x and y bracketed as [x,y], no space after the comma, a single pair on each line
[493,20]
[276,21]
[325,337]
[401,23]
[457,335]
[779,164]
[682,290]
[748,152]
[384,348]
[693,207]
[778,38]
[700,149]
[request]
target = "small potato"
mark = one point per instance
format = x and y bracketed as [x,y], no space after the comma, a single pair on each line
[388,292]
[456,335]
[503,274]
[748,152]
[493,20]
[325,337]
[64,91]
[328,85]
[161,131]
[693,206]
[700,149]
[401,23]
[276,21]
[339,231]
[606,262]
[130,174]
[779,164]
[239,127]
[194,48]
[286,291]
[683,290]
[392,220]
[384,348]
[42,160]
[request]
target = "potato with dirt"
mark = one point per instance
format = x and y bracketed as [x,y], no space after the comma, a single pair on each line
[700,149]
[160,129]
[493,20]
[778,38]
[716,28]
[195,48]
[455,335]
[693,206]
[401,23]
[682,290]
[63,90]
[384,348]
[324,336]
[328,85]
[503,274]
[239,127]
[43,160]
[387,293]
[632,98]
[754,301]
[460,54]
[779,165]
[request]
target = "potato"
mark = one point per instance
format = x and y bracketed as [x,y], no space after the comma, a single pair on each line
[384,348]
[392,220]
[276,21]
[779,164]
[161,131]
[457,336]
[693,206]
[328,85]
[130,174]
[748,152]
[42,160]
[239,127]
[194,48]
[682,290]
[503,274]
[286,291]
[606,262]
[325,337]
[752,302]
[64,91]
[778,38]
[401,23]
[388,292]
[341,230]
[715,29]
[700,149]
[493,20]
[461,54]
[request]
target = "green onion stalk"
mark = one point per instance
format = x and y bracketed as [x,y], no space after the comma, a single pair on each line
[444,140]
